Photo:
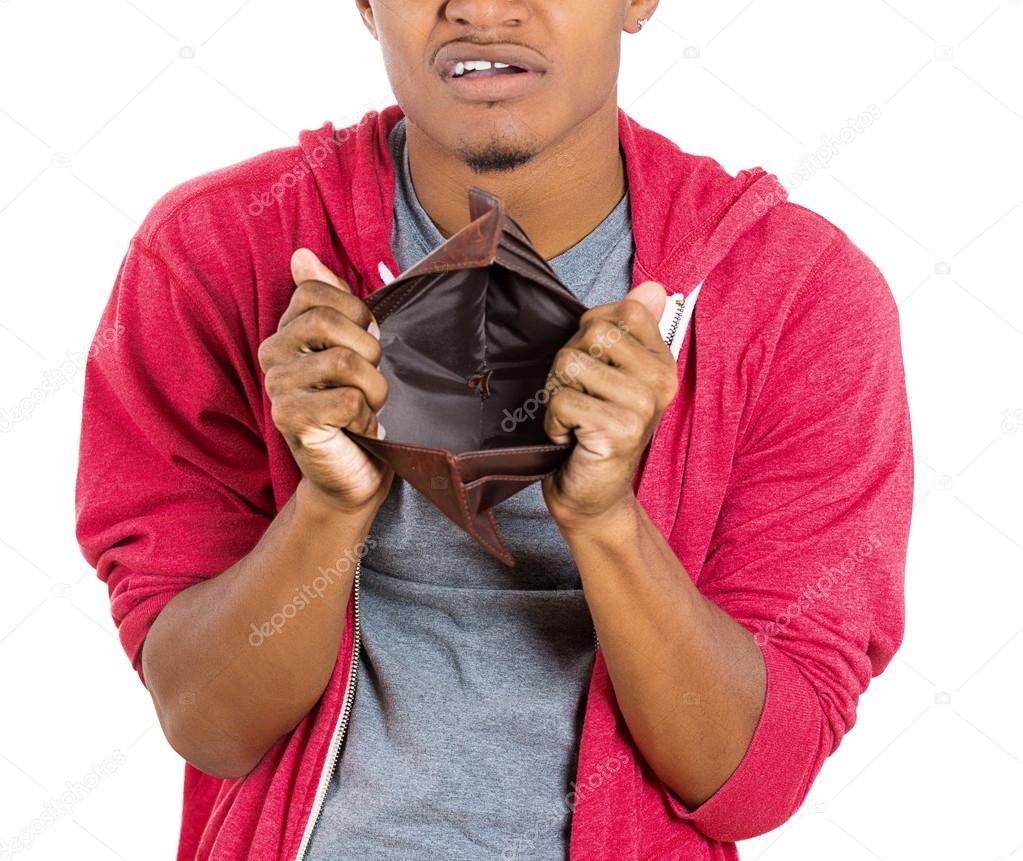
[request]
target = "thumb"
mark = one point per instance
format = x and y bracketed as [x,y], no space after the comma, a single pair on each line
[651,295]
[306,266]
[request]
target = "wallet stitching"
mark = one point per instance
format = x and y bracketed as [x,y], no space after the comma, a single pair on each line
[463,498]
[526,478]
[408,446]
[471,456]
[388,305]
[502,548]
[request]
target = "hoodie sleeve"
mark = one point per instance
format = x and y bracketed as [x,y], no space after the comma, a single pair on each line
[172,485]
[809,550]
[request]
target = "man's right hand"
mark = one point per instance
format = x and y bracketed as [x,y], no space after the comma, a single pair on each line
[321,372]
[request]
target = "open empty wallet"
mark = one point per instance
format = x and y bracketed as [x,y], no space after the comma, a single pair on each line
[469,335]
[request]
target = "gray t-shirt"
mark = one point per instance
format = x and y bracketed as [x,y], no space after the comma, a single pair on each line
[473,676]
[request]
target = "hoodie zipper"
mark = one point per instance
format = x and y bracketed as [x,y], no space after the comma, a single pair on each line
[334,751]
[680,305]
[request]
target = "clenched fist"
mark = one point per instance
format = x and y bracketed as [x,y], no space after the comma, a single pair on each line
[321,373]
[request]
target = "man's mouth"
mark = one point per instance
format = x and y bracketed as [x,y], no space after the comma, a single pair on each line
[484,69]
[492,72]
[465,59]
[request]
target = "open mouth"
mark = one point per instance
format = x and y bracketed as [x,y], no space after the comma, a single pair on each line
[494,72]
[485,69]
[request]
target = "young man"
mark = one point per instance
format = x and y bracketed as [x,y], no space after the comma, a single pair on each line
[732,521]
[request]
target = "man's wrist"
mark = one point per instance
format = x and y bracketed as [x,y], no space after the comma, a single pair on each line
[316,504]
[620,522]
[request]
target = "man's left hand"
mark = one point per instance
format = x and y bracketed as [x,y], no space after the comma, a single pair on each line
[609,386]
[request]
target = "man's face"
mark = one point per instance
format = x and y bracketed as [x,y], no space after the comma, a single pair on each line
[562,56]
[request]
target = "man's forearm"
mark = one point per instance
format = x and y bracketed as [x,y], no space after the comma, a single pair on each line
[690,680]
[236,661]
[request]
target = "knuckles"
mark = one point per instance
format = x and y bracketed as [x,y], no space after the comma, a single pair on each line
[344,362]
[349,403]
[282,411]
[623,315]
[669,386]
[273,380]
[633,315]
[599,329]
[568,363]
[264,355]
[631,426]
[321,319]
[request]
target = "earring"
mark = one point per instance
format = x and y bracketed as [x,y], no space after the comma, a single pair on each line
[642,22]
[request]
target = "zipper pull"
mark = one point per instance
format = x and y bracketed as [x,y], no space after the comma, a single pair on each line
[678,310]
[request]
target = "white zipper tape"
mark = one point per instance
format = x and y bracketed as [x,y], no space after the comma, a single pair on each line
[385,274]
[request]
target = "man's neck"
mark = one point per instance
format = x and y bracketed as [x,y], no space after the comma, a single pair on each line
[558,198]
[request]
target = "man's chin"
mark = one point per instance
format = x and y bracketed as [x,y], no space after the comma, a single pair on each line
[495,158]
[498,147]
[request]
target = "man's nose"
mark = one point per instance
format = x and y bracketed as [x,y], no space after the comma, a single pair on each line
[487,14]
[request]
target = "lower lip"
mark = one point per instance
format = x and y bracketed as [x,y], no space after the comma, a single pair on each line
[495,88]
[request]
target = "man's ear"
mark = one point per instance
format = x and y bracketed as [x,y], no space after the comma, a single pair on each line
[641,9]
[366,13]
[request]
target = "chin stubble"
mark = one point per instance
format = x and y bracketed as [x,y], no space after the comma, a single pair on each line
[495,157]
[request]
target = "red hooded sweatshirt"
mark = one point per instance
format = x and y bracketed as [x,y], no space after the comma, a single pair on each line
[781,474]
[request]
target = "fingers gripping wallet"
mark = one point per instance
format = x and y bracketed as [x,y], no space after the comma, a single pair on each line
[469,335]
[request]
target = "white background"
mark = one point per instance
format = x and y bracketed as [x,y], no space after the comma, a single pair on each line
[104,106]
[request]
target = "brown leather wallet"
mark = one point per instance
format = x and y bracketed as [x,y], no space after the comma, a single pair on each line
[469,335]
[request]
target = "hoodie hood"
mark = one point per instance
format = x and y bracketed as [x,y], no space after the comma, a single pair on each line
[687,211]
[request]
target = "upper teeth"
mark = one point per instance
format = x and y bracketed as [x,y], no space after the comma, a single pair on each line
[476,66]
